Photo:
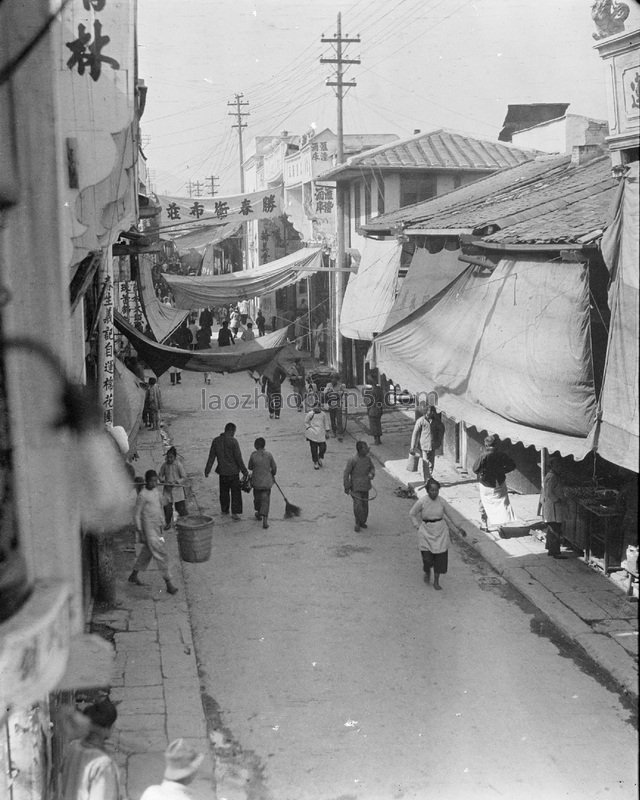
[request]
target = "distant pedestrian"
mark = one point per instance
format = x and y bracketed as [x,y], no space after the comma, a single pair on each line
[225,337]
[243,309]
[182,763]
[426,438]
[333,394]
[316,426]
[297,379]
[154,403]
[491,468]
[272,386]
[262,467]
[149,520]
[226,451]
[427,516]
[260,322]
[88,771]
[374,400]
[172,475]
[193,330]
[248,335]
[203,337]
[357,478]
[206,318]
[234,324]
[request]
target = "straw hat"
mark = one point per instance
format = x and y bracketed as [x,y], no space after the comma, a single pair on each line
[181,760]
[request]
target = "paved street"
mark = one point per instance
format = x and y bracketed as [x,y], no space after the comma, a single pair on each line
[330,670]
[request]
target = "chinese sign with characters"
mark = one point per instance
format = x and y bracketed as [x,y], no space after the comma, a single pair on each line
[88,50]
[106,354]
[239,208]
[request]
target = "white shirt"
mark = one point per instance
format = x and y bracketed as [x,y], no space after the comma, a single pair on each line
[167,790]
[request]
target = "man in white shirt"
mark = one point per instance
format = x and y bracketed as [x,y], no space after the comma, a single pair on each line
[243,308]
[181,767]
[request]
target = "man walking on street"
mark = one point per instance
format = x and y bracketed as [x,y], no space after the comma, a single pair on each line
[263,468]
[426,439]
[358,475]
[225,337]
[226,450]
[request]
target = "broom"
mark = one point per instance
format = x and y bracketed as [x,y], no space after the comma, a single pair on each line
[289,509]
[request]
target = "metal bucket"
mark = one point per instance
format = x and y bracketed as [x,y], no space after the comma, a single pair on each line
[412,463]
[194,537]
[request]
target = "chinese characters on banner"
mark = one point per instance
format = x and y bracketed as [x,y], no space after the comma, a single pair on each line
[105,352]
[87,49]
[236,209]
[129,304]
[323,200]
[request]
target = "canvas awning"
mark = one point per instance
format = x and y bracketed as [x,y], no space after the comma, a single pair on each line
[429,273]
[234,358]
[162,319]
[370,293]
[209,290]
[203,237]
[508,352]
[128,400]
[618,439]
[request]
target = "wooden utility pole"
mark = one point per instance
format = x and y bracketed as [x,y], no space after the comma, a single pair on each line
[341,85]
[239,125]
[213,180]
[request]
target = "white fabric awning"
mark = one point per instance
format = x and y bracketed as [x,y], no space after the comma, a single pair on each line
[209,290]
[508,353]
[618,439]
[162,319]
[371,292]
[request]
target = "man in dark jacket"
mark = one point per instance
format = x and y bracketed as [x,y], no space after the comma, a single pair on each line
[491,467]
[226,450]
[225,337]
[272,386]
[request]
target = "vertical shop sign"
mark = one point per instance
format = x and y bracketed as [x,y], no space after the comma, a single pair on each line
[107,356]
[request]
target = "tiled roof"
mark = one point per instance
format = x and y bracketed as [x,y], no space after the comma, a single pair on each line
[546,200]
[441,150]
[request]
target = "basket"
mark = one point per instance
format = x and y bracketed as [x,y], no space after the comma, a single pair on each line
[194,538]
[412,463]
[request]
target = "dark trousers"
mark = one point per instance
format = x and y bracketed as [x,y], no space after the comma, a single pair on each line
[181,508]
[261,501]
[230,494]
[275,403]
[318,449]
[553,538]
[335,415]
[360,506]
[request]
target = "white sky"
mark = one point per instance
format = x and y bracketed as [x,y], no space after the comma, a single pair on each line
[425,64]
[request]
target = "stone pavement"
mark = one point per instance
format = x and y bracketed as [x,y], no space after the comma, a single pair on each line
[589,608]
[156,685]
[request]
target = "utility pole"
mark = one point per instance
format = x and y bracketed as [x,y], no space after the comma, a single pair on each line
[341,85]
[212,179]
[239,125]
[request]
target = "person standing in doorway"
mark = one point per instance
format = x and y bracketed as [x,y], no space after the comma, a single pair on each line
[149,520]
[552,502]
[316,426]
[427,517]
[374,400]
[226,451]
[357,478]
[260,322]
[262,467]
[491,467]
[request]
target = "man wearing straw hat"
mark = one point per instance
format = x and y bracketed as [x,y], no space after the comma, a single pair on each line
[181,767]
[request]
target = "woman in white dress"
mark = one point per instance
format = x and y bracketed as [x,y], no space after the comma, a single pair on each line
[427,517]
